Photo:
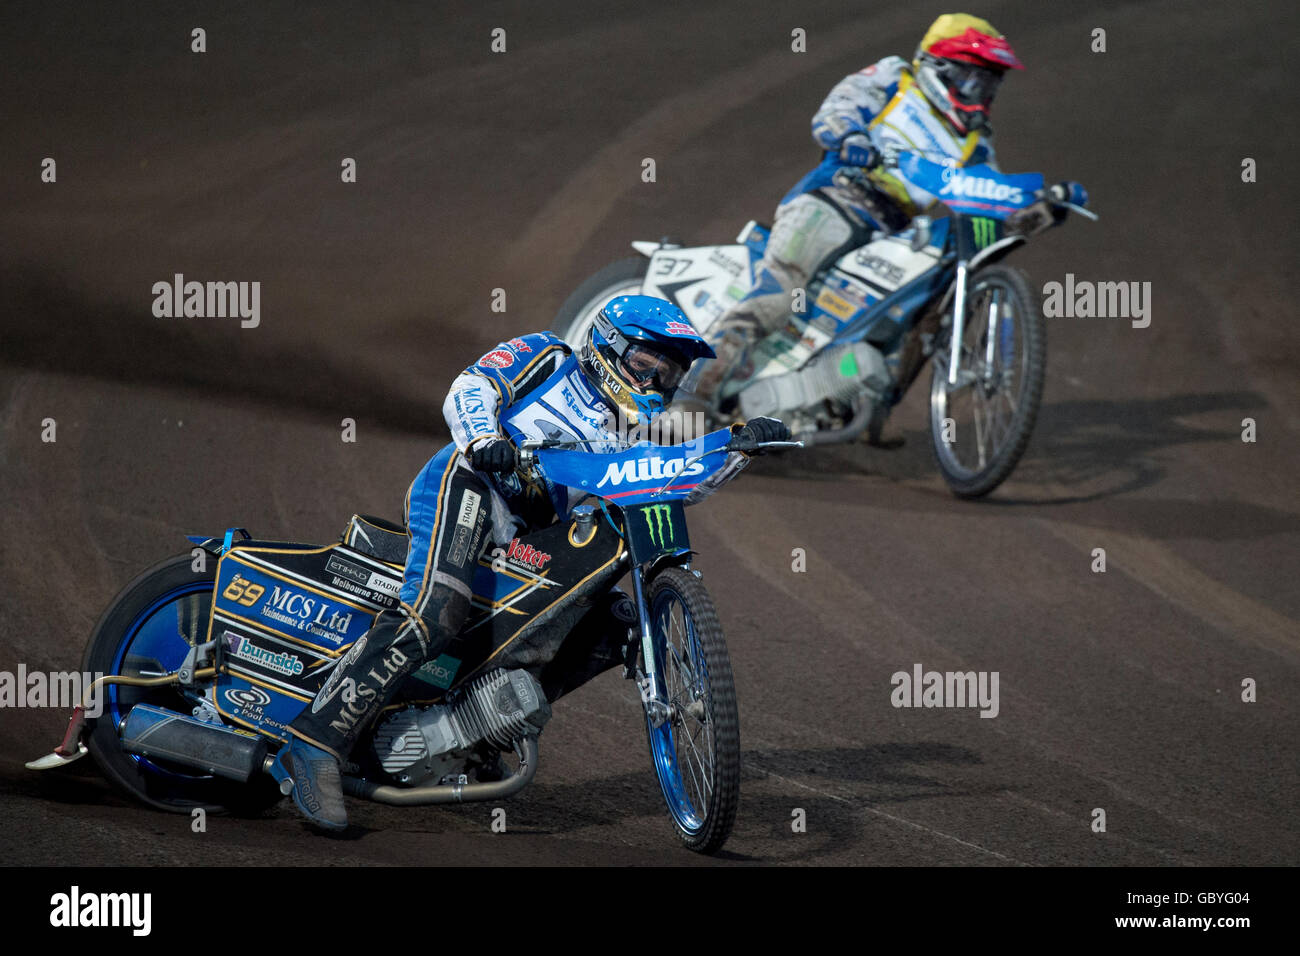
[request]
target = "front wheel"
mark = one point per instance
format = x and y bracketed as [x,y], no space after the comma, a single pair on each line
[624,277]
[696,750]
[980,426]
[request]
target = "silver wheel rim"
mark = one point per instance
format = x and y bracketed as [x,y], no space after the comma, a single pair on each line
[986,401]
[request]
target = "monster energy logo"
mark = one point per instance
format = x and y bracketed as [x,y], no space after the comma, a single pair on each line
[662,514]
[985,231]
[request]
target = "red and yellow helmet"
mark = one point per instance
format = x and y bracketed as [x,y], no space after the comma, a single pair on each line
[959,66]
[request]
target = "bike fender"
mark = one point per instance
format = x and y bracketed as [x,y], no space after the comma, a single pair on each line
[679,559]
[648,249]
[995,252]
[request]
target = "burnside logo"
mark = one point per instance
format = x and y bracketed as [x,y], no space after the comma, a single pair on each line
[75,909]
[976,187]
[647,469]
[527,554]
[281,663]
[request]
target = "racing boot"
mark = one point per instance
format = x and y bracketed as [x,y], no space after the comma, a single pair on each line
[311,775]
[358,688]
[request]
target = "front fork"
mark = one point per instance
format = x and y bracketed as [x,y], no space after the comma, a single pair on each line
[958,323]
[651,685]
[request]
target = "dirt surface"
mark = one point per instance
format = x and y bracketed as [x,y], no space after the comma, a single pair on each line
[521,171]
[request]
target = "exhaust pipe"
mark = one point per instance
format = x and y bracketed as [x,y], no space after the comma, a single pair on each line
[150,731]
[856,426]
[451,792]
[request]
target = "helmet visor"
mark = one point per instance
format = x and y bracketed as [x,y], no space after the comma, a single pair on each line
[971,85]
[646,366]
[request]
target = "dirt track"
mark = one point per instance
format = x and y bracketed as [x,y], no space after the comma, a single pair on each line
[522,171]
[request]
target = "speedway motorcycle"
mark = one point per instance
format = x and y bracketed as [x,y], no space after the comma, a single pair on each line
[209,656]
[874,317]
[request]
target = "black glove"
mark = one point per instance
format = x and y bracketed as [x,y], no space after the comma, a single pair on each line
[495,455]
[759,430]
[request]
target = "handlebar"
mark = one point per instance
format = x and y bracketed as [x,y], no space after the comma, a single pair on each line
[530,445]
[1057,196]
[746,445]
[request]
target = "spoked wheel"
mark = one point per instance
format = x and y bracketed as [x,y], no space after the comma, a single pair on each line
[696,750]
[980,427]
[624,277]
[145,634]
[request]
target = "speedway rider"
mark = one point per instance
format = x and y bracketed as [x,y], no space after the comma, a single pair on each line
[475,491]
[939,104]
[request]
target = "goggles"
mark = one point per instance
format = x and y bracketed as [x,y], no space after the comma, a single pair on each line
[640,362]
[971,84]
[647,366]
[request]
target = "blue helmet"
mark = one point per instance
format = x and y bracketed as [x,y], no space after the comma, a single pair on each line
[637,352]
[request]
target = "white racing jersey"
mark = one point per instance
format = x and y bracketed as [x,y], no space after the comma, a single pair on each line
[883,102]
[534,385]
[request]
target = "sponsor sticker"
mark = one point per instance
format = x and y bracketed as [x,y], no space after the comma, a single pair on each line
[307,614]
[977,187]
[469,505]
[439,672]
[347,569]
[680,328]
[250,703]
[335,680]
[280,662]
[497,358]
[647,469]
[247,697]
[833,304]
[520,555]
[466,516]
[384,585]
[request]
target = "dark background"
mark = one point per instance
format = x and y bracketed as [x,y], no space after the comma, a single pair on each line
[522,171]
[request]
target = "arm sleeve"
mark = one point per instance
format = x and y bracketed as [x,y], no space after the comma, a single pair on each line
[471,409]
[497,380]
[854,101]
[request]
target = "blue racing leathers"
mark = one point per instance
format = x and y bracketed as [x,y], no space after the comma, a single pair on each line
[527,387]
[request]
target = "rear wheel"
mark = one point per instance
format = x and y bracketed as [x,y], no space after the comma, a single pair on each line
[980,427]
[696,751]
[624,277]
[146,633]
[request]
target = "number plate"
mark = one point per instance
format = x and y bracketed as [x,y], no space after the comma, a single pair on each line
[655,529]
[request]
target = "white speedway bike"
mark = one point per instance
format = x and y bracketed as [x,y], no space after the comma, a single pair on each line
[878,313]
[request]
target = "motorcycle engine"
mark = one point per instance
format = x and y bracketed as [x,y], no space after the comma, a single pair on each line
[419,743]
[837,374]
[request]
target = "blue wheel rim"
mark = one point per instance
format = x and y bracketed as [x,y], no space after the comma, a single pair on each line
[151,637]
[664,739]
